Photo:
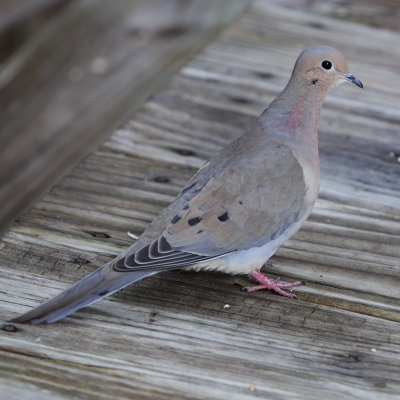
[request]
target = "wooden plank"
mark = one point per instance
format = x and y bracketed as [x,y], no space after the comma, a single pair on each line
[68,84]
[196,335]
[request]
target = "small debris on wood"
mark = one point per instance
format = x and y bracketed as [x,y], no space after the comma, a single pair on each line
[185,152]
[161,179]
[10,328]
[101,235]
[75,74]
[81,261]
[99,66]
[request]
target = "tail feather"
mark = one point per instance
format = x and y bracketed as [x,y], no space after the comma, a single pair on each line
[93,287]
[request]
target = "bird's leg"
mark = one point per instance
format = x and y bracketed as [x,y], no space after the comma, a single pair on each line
[267,283]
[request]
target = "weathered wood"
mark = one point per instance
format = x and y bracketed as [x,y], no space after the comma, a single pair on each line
[196,335]
[65,86]
[381,14]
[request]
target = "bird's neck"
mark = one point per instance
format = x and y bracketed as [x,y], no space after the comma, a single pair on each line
[293,115]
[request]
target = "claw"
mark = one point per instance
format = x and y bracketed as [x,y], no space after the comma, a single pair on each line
[276,285]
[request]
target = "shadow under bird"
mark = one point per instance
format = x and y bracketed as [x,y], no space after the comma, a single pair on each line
[240,206]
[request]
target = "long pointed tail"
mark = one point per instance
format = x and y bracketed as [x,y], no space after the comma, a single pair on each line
[93,287]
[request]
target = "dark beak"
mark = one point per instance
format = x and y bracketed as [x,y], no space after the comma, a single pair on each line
[351,78]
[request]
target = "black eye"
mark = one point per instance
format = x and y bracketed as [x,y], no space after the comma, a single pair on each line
[326,64]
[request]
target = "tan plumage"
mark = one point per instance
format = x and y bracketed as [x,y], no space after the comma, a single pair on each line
[240,206]
[235,199]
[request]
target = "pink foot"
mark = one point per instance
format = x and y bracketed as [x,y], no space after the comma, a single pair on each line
[267,283]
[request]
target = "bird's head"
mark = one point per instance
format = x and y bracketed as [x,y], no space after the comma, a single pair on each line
[323,66]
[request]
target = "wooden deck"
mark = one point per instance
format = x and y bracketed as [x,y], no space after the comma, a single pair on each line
[72,71]
[196,335]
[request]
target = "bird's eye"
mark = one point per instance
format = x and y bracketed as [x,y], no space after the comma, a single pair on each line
[326,64]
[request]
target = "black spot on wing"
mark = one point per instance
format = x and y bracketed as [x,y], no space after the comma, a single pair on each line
[186,207]
[314,81]
[224,217]
[175,219]
[194,221]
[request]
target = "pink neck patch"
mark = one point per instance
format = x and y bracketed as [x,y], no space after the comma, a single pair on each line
[295,115]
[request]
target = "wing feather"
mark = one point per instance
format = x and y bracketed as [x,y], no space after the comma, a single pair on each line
[232,203]
[148,258]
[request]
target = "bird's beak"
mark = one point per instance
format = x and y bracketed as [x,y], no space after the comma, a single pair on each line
[351,78]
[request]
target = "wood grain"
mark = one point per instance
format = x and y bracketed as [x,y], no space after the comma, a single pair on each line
[76,71]
[197,335]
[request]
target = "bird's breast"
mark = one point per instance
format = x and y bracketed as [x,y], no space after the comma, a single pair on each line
[309,163]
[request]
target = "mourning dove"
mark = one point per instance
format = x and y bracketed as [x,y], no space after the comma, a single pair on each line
[240,206]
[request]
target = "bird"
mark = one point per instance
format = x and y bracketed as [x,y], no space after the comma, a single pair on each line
[241,205]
